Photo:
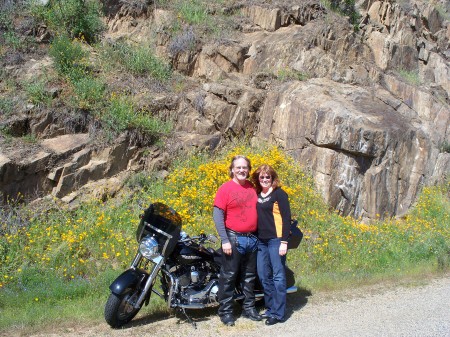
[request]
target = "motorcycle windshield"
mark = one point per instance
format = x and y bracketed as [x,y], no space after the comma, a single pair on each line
[164,223]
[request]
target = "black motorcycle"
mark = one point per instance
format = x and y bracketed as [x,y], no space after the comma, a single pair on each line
[188,270]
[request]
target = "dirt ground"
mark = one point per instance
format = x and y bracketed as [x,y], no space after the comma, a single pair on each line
[402,308]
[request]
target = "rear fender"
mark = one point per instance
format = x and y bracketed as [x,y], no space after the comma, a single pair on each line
[129,279]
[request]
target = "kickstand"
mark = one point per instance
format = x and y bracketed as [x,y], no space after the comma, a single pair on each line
[183,310]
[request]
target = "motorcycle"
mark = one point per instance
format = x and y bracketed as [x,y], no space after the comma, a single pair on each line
[187,269]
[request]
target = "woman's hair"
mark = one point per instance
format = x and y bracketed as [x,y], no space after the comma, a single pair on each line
[265,169]
[230,169]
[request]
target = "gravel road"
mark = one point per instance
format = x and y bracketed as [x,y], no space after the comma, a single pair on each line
[413,308]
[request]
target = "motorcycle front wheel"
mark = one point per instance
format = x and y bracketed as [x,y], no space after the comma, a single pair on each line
[119,309]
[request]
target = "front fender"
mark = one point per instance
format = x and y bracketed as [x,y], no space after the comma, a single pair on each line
[128,279]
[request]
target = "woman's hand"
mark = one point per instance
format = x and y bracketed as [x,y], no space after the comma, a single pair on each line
[226,248]
[283,248]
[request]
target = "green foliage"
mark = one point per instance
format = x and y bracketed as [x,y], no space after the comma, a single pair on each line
[69,57]
[208,19]
[6,106]
[140,181]
[410,76]
[75,18]
[445,147]
[139,60]
[120,115]
[192,11]
[7,30]
[88,92]
[37,92]
[12,40]
[30,139]
[117,113]
[289,74]
[5,133]
[344,7]
[443,12]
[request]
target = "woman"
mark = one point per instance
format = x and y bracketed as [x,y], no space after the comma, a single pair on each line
[274,216]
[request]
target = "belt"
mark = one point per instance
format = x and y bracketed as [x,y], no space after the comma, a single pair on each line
[239,233]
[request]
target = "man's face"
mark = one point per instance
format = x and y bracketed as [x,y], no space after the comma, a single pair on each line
[240,169]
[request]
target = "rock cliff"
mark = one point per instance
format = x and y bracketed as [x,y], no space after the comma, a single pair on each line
[334,95]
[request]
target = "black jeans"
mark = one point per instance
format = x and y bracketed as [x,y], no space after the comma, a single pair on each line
[240,267]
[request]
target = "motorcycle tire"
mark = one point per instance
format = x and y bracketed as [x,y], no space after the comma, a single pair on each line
[119,310]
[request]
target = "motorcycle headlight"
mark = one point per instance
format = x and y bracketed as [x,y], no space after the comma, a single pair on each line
[148,247]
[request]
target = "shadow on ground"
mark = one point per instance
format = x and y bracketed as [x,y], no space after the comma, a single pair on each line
[295,302]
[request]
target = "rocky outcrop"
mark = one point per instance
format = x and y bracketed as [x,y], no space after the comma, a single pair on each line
[370,138]
[366,111]
[65,167]
[367,158]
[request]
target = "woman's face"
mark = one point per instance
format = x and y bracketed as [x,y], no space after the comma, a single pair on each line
[265,180]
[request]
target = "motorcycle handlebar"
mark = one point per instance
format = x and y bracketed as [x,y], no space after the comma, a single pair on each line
[201,238]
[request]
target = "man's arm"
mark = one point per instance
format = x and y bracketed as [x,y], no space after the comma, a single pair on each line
[219,221]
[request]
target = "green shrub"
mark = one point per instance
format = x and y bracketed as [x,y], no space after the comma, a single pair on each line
[140,181]
[30,139]
[88,92]
[139,60]
[410,76]
[8,32]
[193,12]
[288,74]
[6,106]
[12,40]
[69,57]
[37,92]
[120,115]
[75,18]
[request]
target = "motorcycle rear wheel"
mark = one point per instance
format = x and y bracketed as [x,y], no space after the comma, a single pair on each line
[119,309]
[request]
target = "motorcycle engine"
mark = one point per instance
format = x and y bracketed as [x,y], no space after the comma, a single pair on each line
[197,286]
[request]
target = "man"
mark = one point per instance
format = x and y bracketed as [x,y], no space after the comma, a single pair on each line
[236,220]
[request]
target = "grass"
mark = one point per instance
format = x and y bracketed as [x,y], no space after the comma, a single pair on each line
[138,60]
[62,262]
[72,18]
[288,74]
[121,115]
[193,12]
[6,106]
[11,38]
[410,76]
[37,92]
[69,56]
[90,93]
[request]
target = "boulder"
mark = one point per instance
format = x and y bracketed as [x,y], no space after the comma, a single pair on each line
[367,159]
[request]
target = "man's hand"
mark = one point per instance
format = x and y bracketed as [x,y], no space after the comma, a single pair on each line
[226,248]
